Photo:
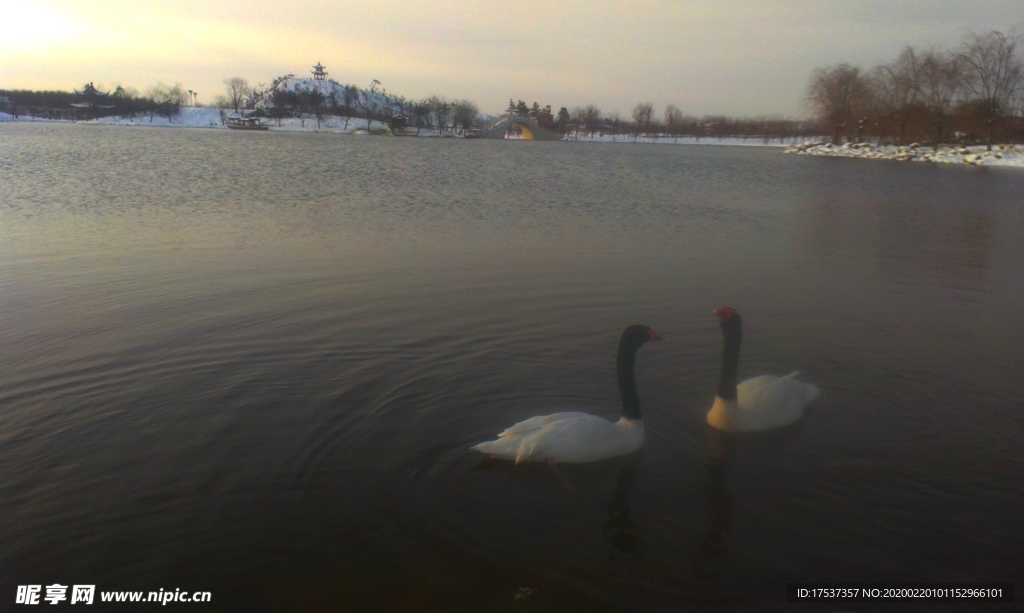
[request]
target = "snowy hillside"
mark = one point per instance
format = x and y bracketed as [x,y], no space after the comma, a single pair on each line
[374,100]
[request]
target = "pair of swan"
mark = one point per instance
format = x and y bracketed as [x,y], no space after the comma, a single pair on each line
[764,402]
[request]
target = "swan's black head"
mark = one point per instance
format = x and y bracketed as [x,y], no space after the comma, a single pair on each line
[727,317]
[635,336]
[731,323]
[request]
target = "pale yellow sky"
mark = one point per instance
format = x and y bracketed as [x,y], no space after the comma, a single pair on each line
[740,57]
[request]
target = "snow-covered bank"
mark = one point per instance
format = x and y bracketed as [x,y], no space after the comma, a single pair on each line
[202,117]
[664,139]
[977,155]
[5,117]
[189,117]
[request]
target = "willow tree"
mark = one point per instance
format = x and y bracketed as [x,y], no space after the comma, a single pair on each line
[896,88]
[993,72]
[838,94]
[940,78]
[642,115]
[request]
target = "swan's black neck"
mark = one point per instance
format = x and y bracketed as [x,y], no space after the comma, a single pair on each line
[626,362]
[733,333]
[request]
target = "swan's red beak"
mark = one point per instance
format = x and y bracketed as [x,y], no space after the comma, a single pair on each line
[724,313]
[654,334]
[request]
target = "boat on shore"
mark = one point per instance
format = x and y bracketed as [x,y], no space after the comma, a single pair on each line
[246,123]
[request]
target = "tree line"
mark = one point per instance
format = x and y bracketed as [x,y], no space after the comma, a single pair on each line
[589,120]
[974,93]
[462,115]
[162,100]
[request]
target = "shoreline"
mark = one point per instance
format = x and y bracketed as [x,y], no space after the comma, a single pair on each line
[974,155]
[210,119]
[1002,155]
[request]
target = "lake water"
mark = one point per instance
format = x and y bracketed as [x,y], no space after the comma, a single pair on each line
[254,364]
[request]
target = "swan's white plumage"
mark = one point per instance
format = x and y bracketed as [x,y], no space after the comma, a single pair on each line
[573,437]
[764,402]
[569,437]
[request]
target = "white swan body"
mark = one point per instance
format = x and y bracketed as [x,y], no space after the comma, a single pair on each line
[574,437]
[762,403]
[569,437]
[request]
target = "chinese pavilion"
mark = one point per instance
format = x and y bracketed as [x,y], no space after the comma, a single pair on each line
[91,99]
[319,73]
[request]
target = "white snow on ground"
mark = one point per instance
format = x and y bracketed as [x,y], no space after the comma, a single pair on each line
[189,117]
[202,117]
[977,155]
[664,139]
[20,118]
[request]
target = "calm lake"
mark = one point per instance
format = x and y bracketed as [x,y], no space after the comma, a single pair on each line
[254,364]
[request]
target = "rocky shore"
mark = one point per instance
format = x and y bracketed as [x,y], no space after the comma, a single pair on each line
[977,155]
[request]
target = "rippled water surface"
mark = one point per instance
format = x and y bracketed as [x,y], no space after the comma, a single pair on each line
[254,364]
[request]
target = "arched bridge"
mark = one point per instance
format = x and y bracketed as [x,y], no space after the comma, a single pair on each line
[529,127]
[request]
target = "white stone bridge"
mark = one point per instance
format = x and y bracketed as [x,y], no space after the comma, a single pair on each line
[529,127]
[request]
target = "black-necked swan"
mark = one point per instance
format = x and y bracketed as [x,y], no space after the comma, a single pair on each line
[761,403]
[574,437]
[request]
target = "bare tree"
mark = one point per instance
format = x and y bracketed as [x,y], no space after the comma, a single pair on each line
[588,116]
[464,113]
[673,119]
[237,89]
[441,110]
[166,100]
[939,83]
[312,101]
[421,113]
[993,73]
[642,114]
[837,94]
[350,95]
[896,89]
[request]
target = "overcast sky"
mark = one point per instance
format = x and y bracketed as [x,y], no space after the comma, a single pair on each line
[740,57]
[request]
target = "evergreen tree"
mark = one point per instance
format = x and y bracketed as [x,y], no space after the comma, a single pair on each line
[563,119]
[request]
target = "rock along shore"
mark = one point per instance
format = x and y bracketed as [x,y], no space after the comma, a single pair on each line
[977,155]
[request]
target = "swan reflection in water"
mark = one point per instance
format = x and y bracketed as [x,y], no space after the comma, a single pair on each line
[712,563]
[576,480]
[620,530]
[721,448]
